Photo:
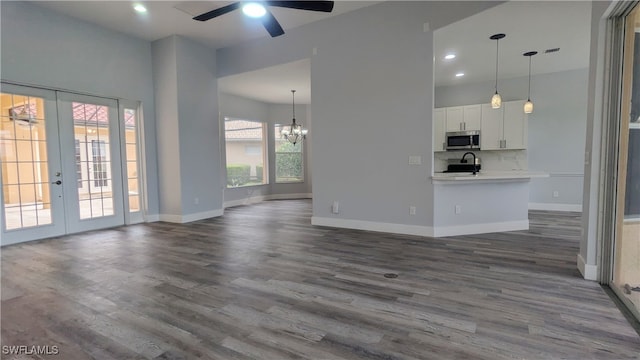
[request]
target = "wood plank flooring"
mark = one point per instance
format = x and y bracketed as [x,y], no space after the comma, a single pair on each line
[262,283]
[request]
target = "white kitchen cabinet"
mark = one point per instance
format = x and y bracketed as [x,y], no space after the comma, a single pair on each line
[491,133]
[439,129]
[455,118]
[504,128]
[472,117]
[460,118]
[515,125]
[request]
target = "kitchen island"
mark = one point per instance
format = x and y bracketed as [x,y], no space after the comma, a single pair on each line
[490,201]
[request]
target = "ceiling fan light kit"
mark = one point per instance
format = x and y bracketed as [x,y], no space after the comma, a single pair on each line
[260,10]
[254,10]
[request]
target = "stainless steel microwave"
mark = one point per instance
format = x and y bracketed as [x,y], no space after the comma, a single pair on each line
[463,140]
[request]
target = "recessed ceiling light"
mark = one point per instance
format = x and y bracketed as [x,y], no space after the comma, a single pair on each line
[460,74]
[139,8]
[254,10]
[450,56]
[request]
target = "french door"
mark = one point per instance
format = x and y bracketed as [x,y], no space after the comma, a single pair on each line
[61,163]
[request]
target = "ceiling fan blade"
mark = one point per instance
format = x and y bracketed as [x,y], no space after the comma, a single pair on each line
[324,6]
[217,12]
[271,24]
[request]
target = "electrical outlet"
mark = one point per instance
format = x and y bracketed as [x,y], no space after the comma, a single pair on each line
[196,201]
[556,194]
[335,208]
[412,210]
[458,209]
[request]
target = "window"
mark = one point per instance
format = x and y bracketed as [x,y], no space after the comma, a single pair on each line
[289,160]
[245,147]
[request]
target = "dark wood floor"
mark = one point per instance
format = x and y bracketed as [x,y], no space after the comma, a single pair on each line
[262,283]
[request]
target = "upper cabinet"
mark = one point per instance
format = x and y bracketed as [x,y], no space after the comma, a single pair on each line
[500,129]
[439,129]
[460,118]
[491,135]
[504,128]
[515,125]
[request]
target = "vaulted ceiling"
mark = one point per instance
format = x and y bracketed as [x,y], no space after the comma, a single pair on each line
[529,25]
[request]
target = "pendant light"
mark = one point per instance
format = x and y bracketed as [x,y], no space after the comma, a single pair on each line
[294,132]
[528,106]
[496,100]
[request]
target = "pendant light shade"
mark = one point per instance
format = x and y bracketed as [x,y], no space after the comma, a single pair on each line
[294,133]
[528,106]
[496,100]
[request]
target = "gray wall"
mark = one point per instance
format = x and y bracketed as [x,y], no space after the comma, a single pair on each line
[165,83]
[188,128]
[588,243]
[46,49]
[239,107]
[200,158]
[557,127]
[371,86]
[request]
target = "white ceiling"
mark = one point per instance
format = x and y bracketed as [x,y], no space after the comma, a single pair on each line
[165,18]
[272,84]
[529,25]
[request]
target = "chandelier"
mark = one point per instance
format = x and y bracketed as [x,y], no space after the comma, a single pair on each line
[294,133]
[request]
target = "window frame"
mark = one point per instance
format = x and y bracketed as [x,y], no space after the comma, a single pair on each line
[264,143]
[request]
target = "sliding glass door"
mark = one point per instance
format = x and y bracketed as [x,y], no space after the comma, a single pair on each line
[626,262]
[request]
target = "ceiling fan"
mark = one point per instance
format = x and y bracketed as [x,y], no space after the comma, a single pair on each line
[258,9]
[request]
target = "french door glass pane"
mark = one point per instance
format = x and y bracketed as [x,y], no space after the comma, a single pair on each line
[131,149]
[93,164]
[23,154]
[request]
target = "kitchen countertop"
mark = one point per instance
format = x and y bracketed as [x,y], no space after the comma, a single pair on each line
[487,176]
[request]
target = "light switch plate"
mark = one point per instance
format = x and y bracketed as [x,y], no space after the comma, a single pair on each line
[415,160]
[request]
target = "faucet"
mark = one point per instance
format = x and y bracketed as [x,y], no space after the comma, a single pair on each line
[474,160]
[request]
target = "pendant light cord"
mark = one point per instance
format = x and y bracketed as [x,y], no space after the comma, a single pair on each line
[293,95]
[497,44]
[529,93]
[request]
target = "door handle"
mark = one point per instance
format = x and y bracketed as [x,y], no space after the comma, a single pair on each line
[57,182]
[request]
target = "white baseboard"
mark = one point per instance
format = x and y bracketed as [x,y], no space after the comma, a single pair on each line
[373,226]
[259,198]
[555,207]
[456,230]
[589,272]
[289,196]
[152,218]
[181,219]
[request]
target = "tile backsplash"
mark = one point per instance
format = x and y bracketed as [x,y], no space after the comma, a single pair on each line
[496,160]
